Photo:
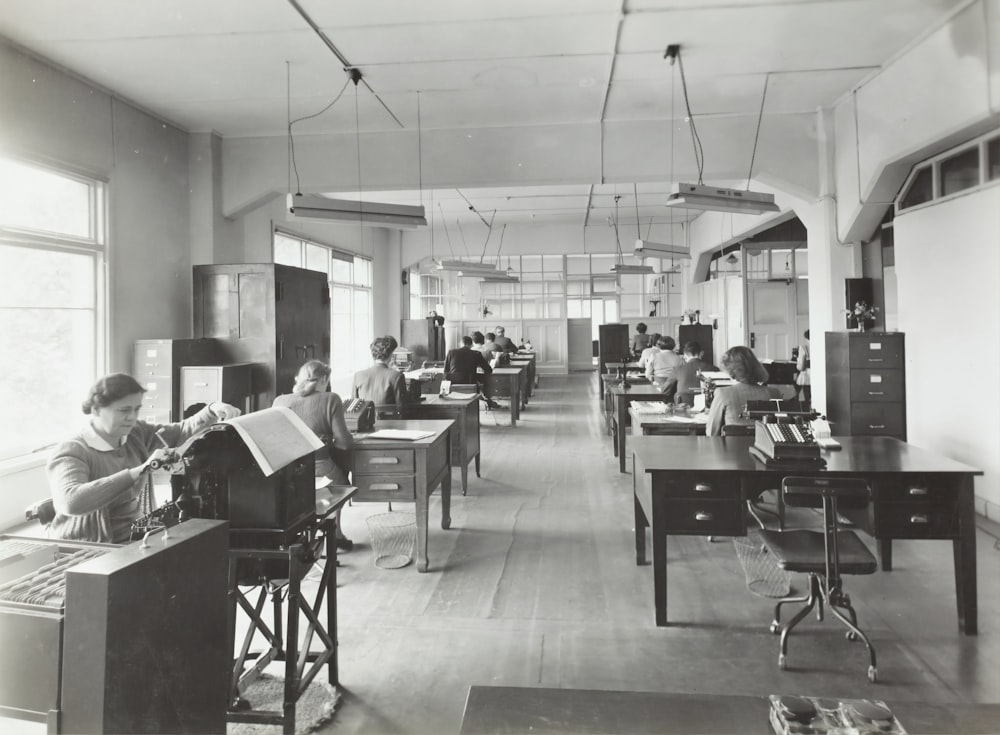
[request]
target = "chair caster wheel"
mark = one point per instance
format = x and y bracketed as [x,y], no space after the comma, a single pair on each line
[781,662]
[775,628]
[851,635]
[872,674]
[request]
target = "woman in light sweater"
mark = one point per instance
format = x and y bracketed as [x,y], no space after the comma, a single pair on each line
[323,412]
[99,479]
[729,402]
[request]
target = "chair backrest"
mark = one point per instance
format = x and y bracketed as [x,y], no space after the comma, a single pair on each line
[738,429]
[811,492]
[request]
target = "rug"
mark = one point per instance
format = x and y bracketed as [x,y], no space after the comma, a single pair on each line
[314,708]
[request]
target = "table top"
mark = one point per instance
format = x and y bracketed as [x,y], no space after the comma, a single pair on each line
[447,402]
[438,426]
[539,710]
[645,390]
[653,419]
[870,454]
[513,370]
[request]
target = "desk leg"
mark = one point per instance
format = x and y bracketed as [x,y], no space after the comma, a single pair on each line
[964,550]
[295,573]
[641,524]
[515,402]
[333,668]
[622,419]
[477,465]
[446,501]
[659,567]
[883,550]
[464,463]
[422,502]
[614,435]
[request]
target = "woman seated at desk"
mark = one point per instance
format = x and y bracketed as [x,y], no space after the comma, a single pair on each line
[323,412]
[99,478]
[730,401]
[381,384]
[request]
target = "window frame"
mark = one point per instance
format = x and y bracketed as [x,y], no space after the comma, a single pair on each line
[980,144]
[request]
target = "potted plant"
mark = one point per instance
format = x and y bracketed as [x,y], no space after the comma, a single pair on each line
[863,315]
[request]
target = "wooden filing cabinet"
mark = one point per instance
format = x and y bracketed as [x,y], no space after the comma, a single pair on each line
[226,383]
[156,364]
[866,383]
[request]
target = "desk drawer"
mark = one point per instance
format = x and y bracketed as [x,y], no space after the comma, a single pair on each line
[381,461]
[877,350]
[385,487]
[937,490]
[916,520]
[702,486]
[877,419]
[705,517]
[200,385]
[876,385]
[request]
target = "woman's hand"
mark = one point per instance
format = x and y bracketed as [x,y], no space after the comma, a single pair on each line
[162,457]
[223,411]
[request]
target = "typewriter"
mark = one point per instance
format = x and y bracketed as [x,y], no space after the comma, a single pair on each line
[360,415]
[782,434]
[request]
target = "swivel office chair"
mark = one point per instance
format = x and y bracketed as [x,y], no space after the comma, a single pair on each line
[824,555]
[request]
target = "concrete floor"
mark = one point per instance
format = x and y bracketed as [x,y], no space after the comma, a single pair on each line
[536,585]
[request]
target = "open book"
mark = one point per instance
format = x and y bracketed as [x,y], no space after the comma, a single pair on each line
[275,437]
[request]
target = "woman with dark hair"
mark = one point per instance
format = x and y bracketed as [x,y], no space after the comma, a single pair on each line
[99,478]
[323,412]
[640,340]
[730,401]
[381,384]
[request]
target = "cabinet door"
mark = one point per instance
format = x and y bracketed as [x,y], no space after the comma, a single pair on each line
[302,323]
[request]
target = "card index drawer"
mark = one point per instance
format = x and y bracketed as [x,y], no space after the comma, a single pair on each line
[877,385]
[380,461]
[703,485]
[877,419]
[876,350]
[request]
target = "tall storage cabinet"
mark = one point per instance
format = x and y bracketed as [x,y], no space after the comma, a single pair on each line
[157,363]
[614,346]
[703,334]
[866,383]
[422,337]
[272,315]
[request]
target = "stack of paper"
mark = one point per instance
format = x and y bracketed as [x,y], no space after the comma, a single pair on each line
[649,406]
[399,434]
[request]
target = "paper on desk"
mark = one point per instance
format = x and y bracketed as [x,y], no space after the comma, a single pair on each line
[403,434]
[276,437]
[649,406]
[459,396]
[716,376]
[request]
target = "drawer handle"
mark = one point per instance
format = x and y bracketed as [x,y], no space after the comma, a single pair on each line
[702,516]
[875,359]
[201,385]
[384,460]
[703,487]
[876,393]
[918,491]
[384,486]
[918,518]
[876,426]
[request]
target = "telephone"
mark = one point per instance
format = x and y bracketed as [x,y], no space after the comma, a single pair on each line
[786,440]
[360,415]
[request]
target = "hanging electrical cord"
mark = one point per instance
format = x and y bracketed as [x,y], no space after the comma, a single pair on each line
[357,141]
[618,242]
[635,194]
[756,135]
[699,152]
[447,234]
[462,233]
[488,233]
[472,207]
[500,246]
[291,139]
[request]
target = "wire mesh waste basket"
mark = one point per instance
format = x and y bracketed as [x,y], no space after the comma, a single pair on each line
[764,576]
[393,537]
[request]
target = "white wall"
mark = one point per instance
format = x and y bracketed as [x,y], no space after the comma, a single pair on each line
[948,271]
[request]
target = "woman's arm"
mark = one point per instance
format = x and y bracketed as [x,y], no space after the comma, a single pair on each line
[177,433]
[342,438]
[74,491]
[717,413]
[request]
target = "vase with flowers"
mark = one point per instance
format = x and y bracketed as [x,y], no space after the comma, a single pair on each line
[692,316]
[862,314]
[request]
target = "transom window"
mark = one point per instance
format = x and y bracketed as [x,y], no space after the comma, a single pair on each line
[967,167]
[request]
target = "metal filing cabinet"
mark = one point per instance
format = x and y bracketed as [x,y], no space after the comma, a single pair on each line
[226,383]
[866,383]
[156,364]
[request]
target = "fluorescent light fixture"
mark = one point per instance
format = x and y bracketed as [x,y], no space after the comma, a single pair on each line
[622,268]
[720,199]
[500,278]
[651,249]
[376,214]
[470,267]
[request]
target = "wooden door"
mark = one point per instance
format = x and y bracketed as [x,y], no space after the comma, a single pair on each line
[771,319]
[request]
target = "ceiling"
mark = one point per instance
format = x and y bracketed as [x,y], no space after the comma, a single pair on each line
[242,68]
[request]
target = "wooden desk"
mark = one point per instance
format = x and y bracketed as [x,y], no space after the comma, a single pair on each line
[465,439]
[620,399]
[661,423]
[407,472]
[698,486]
[507,382]
[493,710]
[609,380]
[529,367]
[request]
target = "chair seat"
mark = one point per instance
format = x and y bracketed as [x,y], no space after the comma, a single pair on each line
[803,551]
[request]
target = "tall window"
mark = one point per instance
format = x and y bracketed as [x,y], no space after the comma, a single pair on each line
[351,325]
[52,304]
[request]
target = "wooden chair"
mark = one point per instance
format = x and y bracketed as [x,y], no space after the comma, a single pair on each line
[825,555]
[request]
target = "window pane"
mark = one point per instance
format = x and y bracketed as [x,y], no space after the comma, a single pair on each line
[317,258]
[993,160]
[46,278]
[362,272]
[921,189]
[340,271]
[287,251]
[578,265]
[553,264]
[960,172]
[362,304]
[340,300]
[531,263]
[38,199]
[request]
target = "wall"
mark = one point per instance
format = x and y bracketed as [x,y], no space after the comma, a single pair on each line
[948,268]
[48,115]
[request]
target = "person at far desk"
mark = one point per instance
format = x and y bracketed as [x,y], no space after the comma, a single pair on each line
[641,340]
[647,354]
[730,401]
[686,375]
[99,478]
[490,346]
[462,366]
[381,384]
[323,412]
[504,342]
[661,368]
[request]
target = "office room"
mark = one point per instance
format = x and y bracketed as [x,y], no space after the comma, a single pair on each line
[563,170]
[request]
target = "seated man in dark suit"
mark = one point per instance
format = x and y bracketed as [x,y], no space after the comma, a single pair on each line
[381,384]
[503,342]
[461,365]
[686,375]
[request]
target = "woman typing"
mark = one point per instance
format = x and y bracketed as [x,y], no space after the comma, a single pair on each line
[730,401]
[99,478]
